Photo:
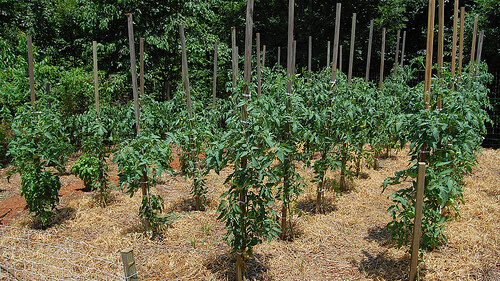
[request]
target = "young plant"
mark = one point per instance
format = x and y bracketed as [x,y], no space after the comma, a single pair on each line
[39,144]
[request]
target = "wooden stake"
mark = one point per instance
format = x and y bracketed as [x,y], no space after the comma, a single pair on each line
[479,52]
[328,54]
[141,62]
[259,82]
[454,43]
[369,53]
[235,55]
[214,88]
[340,58]
[279,55]
[185,75]
[309,54]
[417,229]
[428,59]
[133,70]
[440,55]
[96,78]
[129,266]
[31,72]
[264,56]
[335,46]
[351,51]
[240,253]
[403,49]
[461,44]
[382,60]
[294,57]
[474,36]
[397,53]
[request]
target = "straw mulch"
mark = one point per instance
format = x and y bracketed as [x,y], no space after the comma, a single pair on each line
[349,242]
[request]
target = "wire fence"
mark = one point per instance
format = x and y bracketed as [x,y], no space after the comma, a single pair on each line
[35,255]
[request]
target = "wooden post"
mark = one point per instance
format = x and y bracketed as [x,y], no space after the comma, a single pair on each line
[264,56]
[428,59]
[382,54]
[335,46]
[403,49]
[340,58]
[479,52]
[240,253]
[454,43]
[141,62]
[351,51]
[461,44]
[309,54]
[294,57]
[397,53]
[133,70]
[214,88]
[369,54]
[31,71]
[235,55]
[259,82]
[129,265]
[474,36]
[96,78]
[279,55]
[328,54]
[440,54]
[417,229]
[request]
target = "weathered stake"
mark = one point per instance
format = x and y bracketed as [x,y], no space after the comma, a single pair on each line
[417,229]
[96,78]
[351,51]
[328,54]
[403,49]
[440,54]
[214,88]
[428,59]
[382,60]
[397,53]
[31,72]
[461,44]
[264,56]
[235,55]
[279,55]
[129,266]
[369,53]
[259,81]
[141,62]
[309,54]
[133,70]
[454,43]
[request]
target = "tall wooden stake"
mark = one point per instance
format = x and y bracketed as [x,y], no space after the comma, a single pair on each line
[351,51]
[440,55]
[141,62]
[382,60]
[290,72]
[133,70]
[369,53]
[328,54]
[309,54]
[403,49]
[340,58]
[461,44]
[264,56]
[235,55]
[96,78]
[31,71]
[279,55]
[417,229]
[259,82]
[454,43]
[397,53]
[214,88]
[428,58]
[294,57]
[479,52]
[240,253]
[473,51]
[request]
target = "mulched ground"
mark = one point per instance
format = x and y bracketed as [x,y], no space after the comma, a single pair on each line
[348,242]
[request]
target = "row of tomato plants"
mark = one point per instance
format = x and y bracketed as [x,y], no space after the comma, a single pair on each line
[350,125]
